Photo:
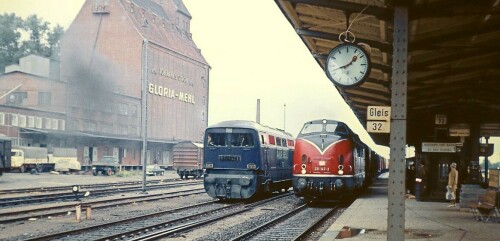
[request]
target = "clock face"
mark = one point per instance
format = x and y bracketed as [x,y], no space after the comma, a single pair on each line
[347,65]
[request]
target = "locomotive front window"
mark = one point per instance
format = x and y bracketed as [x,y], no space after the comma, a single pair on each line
[332,127]
[216,139]
[242,140]
[312,128]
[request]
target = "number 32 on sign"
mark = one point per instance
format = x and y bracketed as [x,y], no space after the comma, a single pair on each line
[378,126]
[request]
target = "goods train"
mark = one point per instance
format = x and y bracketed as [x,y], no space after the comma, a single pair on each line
[330,162]
[243,160]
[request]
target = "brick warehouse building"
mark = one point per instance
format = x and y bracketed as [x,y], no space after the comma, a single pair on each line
[96,99]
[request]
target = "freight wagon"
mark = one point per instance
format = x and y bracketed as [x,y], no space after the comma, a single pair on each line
[188,159]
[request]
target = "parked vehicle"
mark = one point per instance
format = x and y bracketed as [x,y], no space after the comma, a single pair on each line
[65,159]
[5,152]
[188,159]
[107,165]
[154,170]
[26,158]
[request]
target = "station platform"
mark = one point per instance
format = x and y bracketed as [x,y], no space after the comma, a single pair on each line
[366,219]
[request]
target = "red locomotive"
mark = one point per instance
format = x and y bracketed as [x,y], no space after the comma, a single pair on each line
[331,162]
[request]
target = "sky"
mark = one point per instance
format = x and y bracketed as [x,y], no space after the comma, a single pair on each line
[254,53]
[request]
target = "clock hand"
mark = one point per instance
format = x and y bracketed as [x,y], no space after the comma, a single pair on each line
[354,58]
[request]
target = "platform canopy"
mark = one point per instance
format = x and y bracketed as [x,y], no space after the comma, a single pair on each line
[453,56]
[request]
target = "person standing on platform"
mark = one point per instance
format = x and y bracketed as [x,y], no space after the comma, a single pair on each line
[410,180]
[420,181]
[453,183]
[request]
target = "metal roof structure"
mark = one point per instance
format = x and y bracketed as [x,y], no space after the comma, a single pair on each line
[453,55]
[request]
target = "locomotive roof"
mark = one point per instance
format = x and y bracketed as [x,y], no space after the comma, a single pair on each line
[327,121]
[330,121]
[250,125]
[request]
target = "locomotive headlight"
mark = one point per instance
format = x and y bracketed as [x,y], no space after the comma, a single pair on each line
[251,166]
[341,170]
[245,181]
[303,171]
[209,165]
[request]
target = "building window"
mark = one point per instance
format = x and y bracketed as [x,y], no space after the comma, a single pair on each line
[31,121]
[17,98]
[2,118]
[54,124]
[22,121]
[14,120]
[47,123]
[133,110]
[133,131]
[123,109]
[63,125]
[90,126]
[38,122]
[123,130]
[44,98]
[107,128]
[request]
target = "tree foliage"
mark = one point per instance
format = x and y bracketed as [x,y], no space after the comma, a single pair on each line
[20,37]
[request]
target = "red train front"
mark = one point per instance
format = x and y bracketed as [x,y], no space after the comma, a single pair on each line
[329,161]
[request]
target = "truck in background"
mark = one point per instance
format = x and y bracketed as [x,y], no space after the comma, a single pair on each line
[5,151]
[25,158]
[65,159]
[107,165]
[188,159]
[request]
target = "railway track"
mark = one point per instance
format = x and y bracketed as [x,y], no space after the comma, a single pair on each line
[157,225]
[95,192]
[43,212]
[88,186]
[294,225]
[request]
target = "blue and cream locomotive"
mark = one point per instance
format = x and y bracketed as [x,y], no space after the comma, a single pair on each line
[243,159]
